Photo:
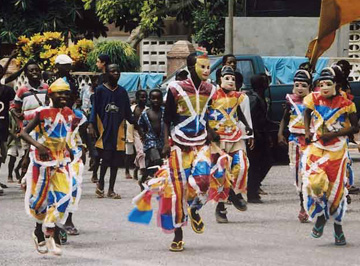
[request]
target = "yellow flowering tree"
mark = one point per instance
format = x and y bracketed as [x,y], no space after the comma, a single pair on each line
[44,48]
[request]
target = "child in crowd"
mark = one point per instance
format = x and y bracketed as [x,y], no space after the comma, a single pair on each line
[129,146]
[228,121]
[293,119]
[141,99]
[327,154]
[49,184]
[14,149]
[151,130]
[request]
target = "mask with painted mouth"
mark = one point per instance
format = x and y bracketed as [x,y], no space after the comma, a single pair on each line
[327,88]
[301,88]
[228,78]
[202,68]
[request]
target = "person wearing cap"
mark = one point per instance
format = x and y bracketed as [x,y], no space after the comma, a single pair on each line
[293,119]
[229,160]
[63,64]
[324,175]
[49,184]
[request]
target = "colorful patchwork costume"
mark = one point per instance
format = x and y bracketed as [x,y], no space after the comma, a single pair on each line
[186,176]
[325,172]
[51,184]
[297,135]
[224,120]
[76,167]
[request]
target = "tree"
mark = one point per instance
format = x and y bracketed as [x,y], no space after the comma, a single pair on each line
[142,18]
[27,17]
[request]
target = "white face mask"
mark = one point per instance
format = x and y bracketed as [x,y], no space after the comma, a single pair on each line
[327,88]
[228,82]
[301,88]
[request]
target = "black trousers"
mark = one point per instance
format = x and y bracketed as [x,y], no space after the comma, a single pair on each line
[260,164]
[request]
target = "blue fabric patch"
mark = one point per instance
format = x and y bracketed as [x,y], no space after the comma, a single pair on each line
[166,222]
[142,217]
[59,131]
[201,168]
[327,112]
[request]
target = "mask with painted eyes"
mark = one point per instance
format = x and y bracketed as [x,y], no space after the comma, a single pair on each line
[202,68]
[228,82]
[301,88]
[327,88]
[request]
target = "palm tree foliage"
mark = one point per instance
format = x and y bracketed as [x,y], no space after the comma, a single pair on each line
[26,17]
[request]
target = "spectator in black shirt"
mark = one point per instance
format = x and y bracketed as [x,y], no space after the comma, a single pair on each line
[260,156]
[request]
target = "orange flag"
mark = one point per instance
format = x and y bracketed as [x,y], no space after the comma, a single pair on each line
[333,14]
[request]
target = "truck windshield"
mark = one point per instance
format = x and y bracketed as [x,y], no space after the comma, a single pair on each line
[245,67]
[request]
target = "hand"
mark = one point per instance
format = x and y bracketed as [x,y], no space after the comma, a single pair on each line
[43,153]
[14,53]
[92,131]
[251,143]
[248,131]
[282,140]
[166,151]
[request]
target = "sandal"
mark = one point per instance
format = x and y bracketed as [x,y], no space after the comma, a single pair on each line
[340,240]
[177,246]
[197,225]
[114,195]
[100,193]
[317,231]
[40,247]
[3,185]
[72,230]
[303,217]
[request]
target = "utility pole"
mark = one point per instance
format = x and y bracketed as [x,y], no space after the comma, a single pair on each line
[229,29]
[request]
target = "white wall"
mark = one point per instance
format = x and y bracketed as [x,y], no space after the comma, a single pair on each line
[282,36]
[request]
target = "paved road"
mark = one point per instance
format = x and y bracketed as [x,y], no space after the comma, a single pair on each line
[266,234]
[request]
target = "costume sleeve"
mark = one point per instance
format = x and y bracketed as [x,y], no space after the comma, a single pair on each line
[170,108]
[309,101]
[351,108]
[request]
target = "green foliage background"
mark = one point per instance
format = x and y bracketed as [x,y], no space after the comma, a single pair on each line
[120,53]
[27,17]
